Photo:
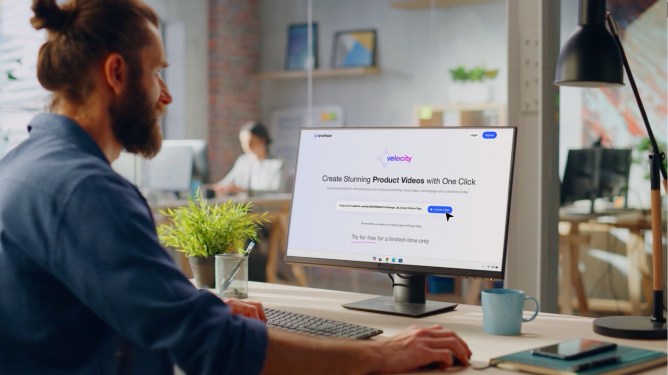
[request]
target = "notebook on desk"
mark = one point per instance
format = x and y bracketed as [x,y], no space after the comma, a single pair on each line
[629,360]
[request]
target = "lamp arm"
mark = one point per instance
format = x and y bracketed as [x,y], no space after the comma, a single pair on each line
[656,164]
[655,146]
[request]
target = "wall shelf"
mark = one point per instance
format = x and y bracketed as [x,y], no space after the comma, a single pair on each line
[318,73]
[473,114]
[425,4]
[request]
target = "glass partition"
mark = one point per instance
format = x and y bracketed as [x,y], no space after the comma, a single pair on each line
[382,63]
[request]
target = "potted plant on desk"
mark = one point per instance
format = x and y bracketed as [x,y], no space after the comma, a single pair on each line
[201,231]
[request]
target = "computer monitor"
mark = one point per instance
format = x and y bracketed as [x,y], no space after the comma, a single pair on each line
[130,167]
[581,176]
[179,167]
[200,169]
[614,174]
[171,169]
[595,173]
[405,201]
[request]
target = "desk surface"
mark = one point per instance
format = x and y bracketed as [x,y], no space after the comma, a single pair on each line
[466,320]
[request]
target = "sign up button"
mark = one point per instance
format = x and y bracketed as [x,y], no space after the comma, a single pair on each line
[489,135]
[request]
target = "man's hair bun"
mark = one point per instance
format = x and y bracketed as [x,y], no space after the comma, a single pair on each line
[48,15]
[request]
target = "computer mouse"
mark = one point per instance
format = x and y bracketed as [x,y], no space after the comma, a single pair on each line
[437,365]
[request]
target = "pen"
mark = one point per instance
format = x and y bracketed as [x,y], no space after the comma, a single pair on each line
[595,363]
[230,277]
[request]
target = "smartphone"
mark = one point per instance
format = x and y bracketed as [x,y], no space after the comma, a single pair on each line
[574,349]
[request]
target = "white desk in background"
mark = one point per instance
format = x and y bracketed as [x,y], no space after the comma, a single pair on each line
[466,320]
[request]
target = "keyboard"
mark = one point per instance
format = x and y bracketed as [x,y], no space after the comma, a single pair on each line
[314,326]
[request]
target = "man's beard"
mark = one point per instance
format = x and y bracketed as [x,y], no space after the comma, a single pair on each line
[134,121]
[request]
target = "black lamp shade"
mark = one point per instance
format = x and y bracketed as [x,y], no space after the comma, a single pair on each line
[590,58]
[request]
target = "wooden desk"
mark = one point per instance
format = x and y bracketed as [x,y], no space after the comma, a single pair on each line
[638,278]
[466,320]
[277,206]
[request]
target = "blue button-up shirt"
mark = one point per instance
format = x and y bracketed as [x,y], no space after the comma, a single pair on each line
[85,287]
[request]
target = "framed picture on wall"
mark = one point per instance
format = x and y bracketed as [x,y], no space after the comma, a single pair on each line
[299,56]
[354,48]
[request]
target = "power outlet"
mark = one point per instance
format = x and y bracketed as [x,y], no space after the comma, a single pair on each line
[529,72]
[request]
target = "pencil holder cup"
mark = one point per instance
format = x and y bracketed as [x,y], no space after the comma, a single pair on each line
[232,275]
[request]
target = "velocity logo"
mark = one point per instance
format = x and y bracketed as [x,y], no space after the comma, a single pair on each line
[386,158]
[325,135]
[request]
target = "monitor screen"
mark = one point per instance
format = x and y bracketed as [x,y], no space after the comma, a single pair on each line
[200,157]
[594,173]
[403,200]
[614,174]
[130,167]
[581,175]
[171,169]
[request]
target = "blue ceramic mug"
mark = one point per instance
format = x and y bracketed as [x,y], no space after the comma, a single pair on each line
[502,311]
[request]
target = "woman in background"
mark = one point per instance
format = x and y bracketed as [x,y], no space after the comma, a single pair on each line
[254,170]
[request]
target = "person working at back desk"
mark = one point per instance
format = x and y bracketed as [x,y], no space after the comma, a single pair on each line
[87,288]
[254,171]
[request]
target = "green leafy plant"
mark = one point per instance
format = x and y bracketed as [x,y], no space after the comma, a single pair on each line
[476,74]
[203,229]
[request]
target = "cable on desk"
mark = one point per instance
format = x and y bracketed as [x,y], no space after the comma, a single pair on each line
[400,276]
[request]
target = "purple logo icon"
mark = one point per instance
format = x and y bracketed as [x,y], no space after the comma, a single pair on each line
[386,157]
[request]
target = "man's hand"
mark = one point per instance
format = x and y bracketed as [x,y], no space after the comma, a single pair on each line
[249,309]
[416,347]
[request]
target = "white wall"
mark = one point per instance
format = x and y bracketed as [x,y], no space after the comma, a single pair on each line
[570,98]
[186,36]
[415,51]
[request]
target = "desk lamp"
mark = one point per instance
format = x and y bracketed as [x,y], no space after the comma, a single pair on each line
[593,57]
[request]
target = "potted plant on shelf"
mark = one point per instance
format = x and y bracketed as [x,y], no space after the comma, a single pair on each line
[201,231]
[468,85]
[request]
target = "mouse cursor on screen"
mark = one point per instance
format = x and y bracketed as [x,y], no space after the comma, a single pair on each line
[448,216]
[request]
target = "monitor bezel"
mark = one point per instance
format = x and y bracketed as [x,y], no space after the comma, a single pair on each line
[405,268]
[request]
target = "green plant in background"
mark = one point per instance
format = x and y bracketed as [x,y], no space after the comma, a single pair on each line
[203,229]
[476,74]
[644,147]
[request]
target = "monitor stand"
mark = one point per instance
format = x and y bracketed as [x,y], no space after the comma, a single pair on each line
[409,299]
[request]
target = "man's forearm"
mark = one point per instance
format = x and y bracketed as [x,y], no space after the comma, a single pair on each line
[295,354]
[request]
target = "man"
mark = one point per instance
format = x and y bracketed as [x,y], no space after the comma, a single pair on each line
[86,287]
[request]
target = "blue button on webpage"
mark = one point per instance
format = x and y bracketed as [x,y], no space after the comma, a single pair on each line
[489,135]
[439,209]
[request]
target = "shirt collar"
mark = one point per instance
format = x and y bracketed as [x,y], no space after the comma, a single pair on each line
[64,127]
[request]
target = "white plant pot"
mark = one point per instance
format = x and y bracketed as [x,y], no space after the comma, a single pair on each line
[468,92]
